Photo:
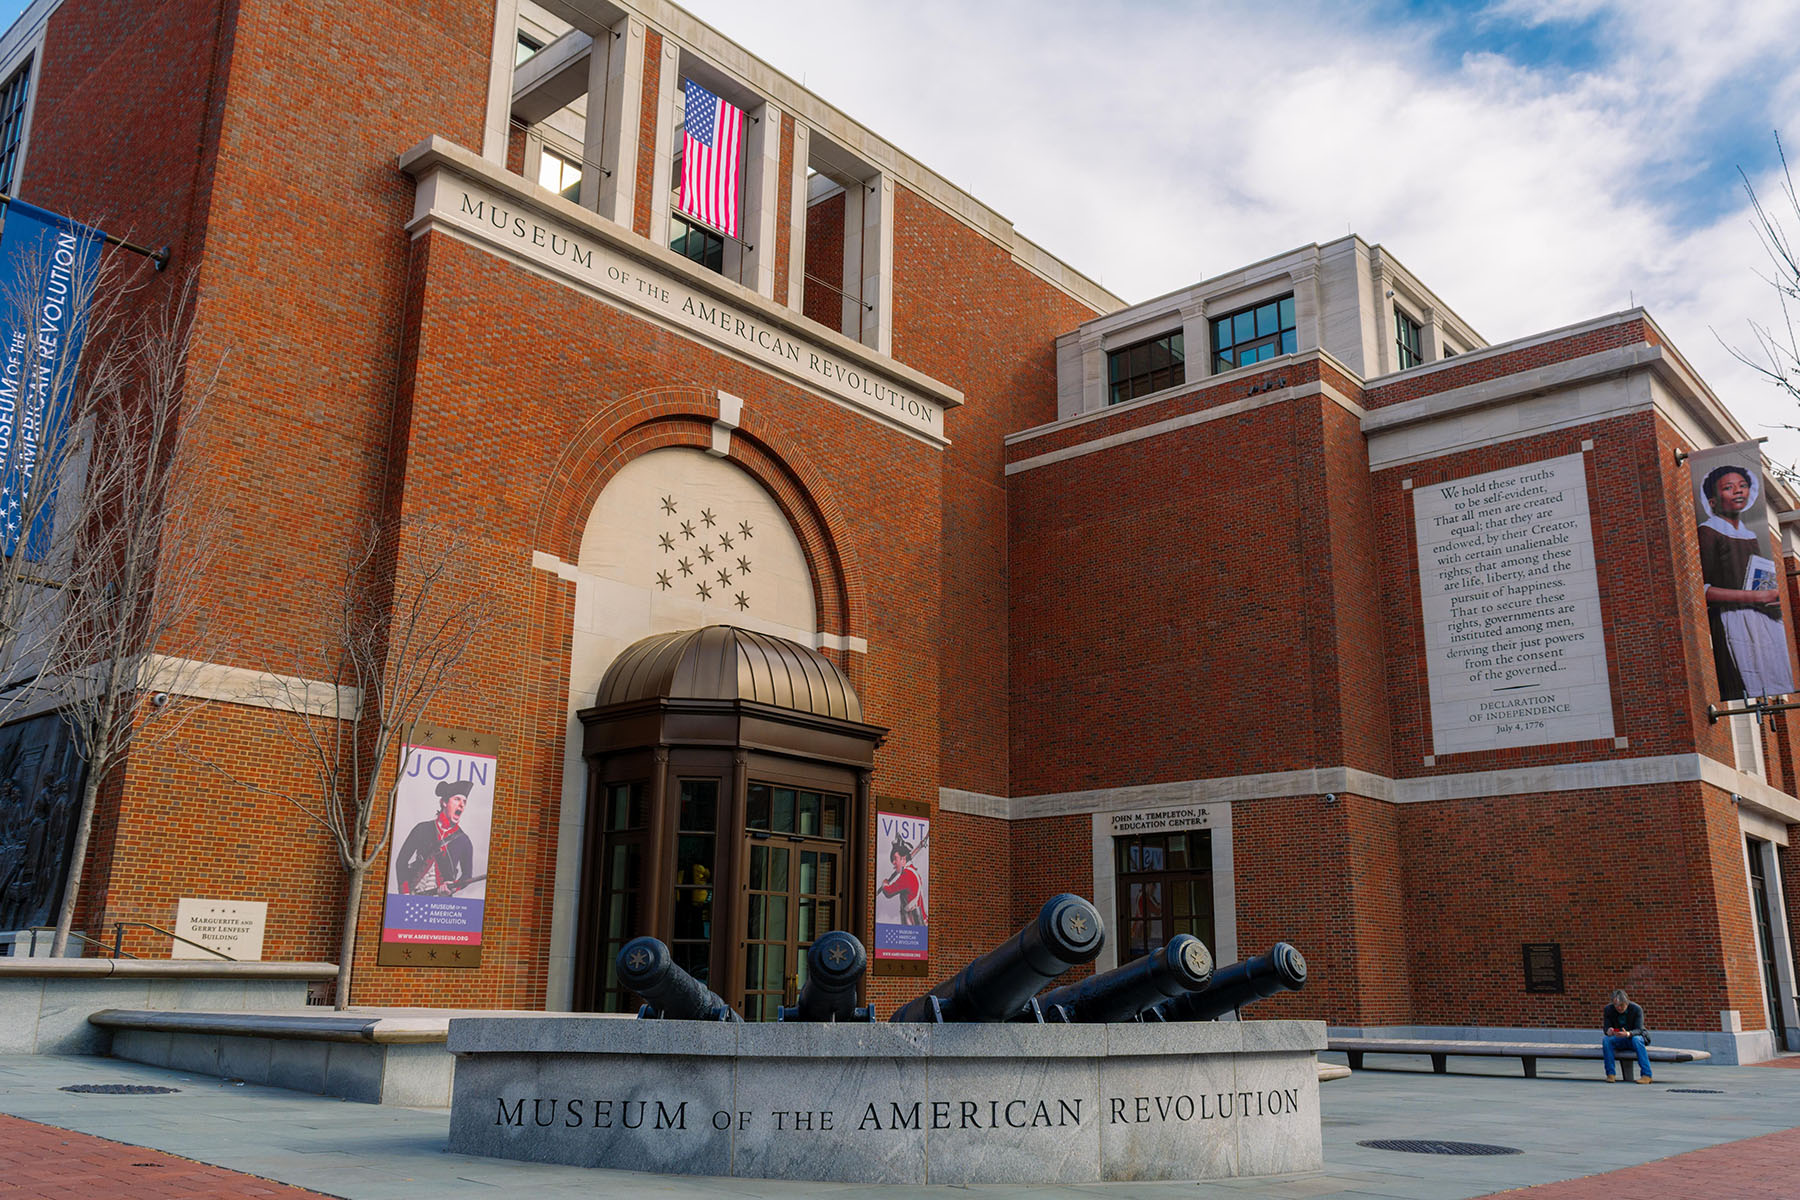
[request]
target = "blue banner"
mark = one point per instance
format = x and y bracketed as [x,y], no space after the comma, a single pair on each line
[48,265]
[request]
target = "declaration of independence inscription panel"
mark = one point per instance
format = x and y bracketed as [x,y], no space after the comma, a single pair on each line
[1514,646]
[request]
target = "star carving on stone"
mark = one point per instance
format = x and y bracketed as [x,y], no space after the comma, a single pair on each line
[687,568]
[637,959]
[744,528]
[725,540]
[705,591]
[668,506]
[744,566]
[837,954]
[432,953]
[663,581]
[706,554]
[1078,924]
[687,530]
[724,577]
[706,514]
[743,601]
[667,542]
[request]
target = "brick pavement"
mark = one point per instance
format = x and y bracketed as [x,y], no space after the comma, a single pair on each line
[41,1160]
[1753,1169]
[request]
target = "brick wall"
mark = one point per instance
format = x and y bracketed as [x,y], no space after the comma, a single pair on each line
[822,289]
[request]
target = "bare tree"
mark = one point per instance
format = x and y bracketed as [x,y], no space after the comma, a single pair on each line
[133,620]
[1777,354]
[405,620]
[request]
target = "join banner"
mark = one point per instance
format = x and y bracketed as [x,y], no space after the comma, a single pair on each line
[48,265]
[438,864]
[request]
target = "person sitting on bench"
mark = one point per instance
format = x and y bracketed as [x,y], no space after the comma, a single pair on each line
[1623,1022]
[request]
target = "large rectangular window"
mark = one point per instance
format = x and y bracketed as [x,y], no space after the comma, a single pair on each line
[1253,334]
[1146,367]
[1164,888]
[13,95]
[1406,340]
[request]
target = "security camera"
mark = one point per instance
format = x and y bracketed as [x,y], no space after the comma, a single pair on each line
[160,700]
[1331,797]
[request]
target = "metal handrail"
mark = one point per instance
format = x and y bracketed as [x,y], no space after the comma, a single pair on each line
[75,934]
[119,938]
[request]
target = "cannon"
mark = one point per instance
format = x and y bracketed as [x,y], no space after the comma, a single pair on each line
[647,968]
[1281,969]
[1121,994]
[995,987]
[834,966]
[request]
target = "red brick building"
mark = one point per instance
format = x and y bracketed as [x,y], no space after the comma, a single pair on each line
[1148,603]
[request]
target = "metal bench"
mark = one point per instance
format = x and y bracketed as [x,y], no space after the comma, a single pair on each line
[1441,1050]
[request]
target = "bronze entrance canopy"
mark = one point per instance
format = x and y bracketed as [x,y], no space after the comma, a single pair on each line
[727,812]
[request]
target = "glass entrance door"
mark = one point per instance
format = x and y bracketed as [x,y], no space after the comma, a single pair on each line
[1765,940]
[794,890]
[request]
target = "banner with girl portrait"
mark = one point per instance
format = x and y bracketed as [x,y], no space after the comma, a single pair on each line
[1740,573]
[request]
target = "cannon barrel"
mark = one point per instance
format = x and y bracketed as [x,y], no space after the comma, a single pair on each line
[834,967]
[647,968]
[1067,931]
[1282,969]
[1172,971]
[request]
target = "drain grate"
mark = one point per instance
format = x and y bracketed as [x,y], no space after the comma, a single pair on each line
[119,1089]
[1697,1091]
[1417,1146]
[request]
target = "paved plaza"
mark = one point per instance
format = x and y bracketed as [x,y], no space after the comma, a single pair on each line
[1699,1132]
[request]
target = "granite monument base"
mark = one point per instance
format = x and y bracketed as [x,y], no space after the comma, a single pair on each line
[882,1103]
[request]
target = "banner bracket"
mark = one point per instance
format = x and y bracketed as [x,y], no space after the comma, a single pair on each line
[158,258]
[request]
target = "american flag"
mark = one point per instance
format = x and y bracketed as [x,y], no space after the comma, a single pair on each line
[709,158]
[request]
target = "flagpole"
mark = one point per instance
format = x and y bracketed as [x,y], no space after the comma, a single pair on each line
[160,258]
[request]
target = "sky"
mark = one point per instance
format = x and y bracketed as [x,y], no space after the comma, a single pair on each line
[1535,162]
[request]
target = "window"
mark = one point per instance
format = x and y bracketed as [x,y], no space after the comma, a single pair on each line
[697,242]
[560,173]
[1164,888]
[526,47]
[1406,339]
[1146,367]
[623,824]
[12,123]
[1253,334]
[1449,350]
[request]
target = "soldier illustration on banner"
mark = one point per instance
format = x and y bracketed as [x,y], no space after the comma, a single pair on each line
[437,869]
[1738,573]
[903,888]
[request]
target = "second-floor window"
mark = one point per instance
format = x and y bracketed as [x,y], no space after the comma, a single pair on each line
[1146,367]
[1407,340]
[559,173]
[13,96]
[1252,334]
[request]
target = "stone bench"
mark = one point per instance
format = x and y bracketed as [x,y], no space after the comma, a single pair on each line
[45,1002]
[1440,1050]
[370,1056]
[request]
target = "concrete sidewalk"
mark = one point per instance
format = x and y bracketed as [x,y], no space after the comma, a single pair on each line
[371,1152]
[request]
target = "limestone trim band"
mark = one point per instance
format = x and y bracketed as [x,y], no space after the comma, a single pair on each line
[469,199]
[1186,420]
[1472,785]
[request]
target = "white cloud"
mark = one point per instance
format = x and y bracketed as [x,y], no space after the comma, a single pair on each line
[1153,144]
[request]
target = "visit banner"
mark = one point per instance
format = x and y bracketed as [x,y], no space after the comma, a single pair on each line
[903,887]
